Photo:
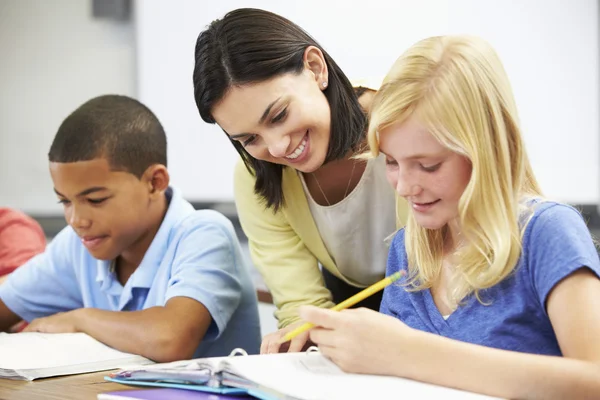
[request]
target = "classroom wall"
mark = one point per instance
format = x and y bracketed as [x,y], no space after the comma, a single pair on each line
[53,57]
[549,48]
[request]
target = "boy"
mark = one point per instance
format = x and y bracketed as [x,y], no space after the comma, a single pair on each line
[137,268]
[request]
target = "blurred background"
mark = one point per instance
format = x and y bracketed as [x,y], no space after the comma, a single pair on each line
[55,55]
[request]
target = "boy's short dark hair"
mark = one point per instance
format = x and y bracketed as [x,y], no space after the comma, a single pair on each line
[118,128]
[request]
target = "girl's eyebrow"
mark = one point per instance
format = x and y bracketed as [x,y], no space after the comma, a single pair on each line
[422,155]
[417,156]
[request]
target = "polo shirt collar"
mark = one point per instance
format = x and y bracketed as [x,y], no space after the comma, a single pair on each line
[144,275]
[146,271]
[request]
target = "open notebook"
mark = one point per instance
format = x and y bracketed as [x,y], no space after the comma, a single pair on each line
[30,355]
[305,376]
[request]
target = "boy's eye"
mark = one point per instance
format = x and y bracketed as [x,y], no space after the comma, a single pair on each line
[431,168]
[279,117]
[97,201]
[63,201]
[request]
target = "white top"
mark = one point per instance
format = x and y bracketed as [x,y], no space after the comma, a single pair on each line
[354,230]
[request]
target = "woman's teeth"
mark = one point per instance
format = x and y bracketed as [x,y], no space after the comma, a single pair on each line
[298,150]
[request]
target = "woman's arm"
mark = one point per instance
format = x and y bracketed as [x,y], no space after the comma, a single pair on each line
[367,342]
[289,269]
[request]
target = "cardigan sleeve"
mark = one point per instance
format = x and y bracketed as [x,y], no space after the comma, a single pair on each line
[290,270]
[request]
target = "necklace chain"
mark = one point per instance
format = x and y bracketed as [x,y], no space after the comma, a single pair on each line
[347,186]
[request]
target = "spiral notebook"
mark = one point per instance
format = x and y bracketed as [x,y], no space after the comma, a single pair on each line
[33,355]
[168,394]
[288,376]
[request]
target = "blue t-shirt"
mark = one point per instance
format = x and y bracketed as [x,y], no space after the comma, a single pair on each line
[194,254]
[555,244]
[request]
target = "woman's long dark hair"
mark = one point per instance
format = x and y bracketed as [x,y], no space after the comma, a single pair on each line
[250,45]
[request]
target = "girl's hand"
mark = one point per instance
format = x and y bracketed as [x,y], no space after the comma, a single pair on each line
[361,340]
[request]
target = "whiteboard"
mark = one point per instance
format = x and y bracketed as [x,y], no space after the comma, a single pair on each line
[55,56]
[549,48]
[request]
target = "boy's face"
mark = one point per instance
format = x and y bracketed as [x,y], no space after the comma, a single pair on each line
[106,208]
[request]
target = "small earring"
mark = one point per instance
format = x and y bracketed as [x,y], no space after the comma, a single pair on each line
[324,85]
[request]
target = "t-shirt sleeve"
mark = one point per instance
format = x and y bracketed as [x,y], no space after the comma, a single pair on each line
[394,264]
[207,269]
[47,283]
[21,238]
[559,244]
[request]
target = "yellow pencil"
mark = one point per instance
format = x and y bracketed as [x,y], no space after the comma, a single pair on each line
[374,288]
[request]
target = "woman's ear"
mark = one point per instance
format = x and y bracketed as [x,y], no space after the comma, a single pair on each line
[314,62]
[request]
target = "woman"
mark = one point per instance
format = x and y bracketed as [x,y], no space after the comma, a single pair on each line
[302,199]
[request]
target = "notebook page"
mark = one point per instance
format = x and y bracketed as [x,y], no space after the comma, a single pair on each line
[212,364]
[32,350]
[311,376]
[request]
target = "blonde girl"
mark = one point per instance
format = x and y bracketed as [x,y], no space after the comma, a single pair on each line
[502,290]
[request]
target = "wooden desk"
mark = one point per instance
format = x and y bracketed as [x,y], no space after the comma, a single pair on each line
[84,387]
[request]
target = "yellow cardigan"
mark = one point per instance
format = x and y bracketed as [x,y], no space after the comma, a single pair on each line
[286,246]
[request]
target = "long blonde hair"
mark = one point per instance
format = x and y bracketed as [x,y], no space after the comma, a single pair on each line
[457,87]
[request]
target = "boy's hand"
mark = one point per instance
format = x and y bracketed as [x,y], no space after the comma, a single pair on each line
[66,322]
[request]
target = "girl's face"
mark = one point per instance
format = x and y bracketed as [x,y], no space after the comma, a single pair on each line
[285,120]
[428,175]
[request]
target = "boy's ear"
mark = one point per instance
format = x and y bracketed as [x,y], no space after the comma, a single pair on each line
[157,179]
[314,61]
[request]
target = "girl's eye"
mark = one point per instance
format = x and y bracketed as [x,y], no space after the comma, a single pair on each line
[279,117]
[97,201]
[390,162]
[431,168]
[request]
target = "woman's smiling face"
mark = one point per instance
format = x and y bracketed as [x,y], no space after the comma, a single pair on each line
[285,120]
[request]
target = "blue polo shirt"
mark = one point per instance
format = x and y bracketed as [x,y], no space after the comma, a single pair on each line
[194,254]
[555,244]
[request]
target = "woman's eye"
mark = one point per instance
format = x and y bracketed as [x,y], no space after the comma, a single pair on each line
[279,117]
[249,140]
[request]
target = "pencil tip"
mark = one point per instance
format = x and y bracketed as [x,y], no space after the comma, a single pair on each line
[398,275]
